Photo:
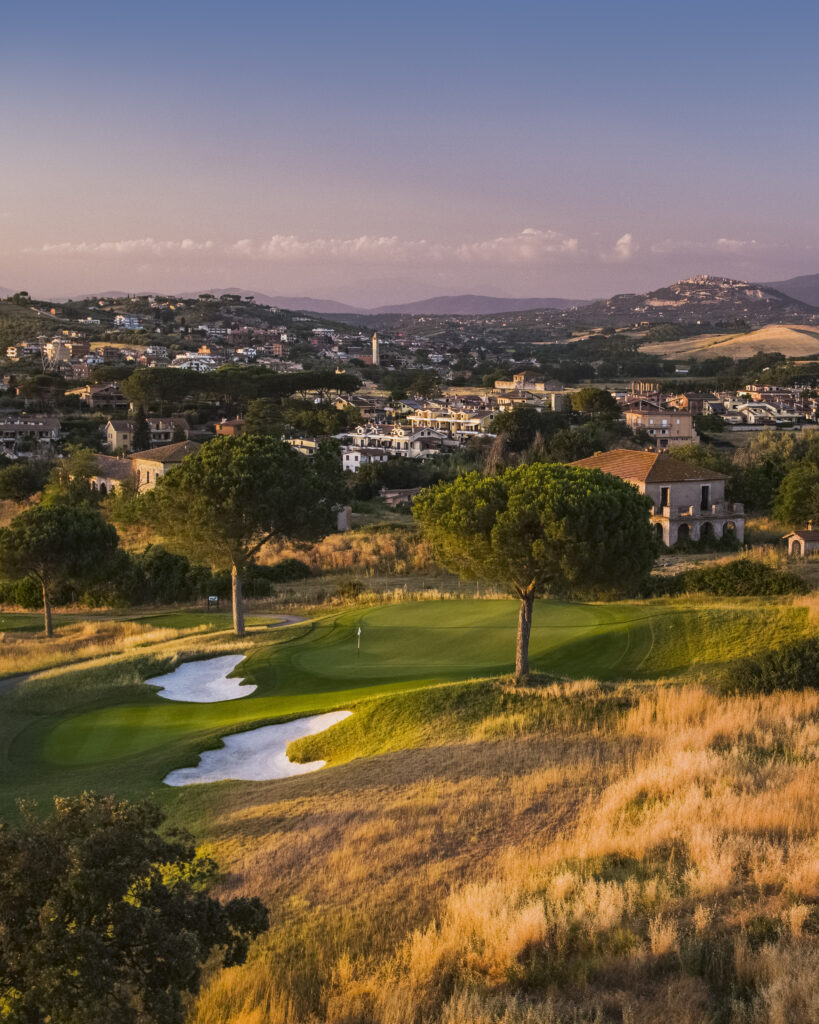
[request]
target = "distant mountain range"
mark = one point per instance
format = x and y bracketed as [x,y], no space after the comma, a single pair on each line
[475,305]
[702,297]
[439,305]
[805,288]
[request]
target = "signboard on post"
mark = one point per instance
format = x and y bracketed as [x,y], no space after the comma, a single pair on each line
[213,603]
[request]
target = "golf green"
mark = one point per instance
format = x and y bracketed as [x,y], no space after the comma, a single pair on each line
[131,739]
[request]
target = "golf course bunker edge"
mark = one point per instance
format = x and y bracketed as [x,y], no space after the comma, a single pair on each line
[258,755]
[203,682]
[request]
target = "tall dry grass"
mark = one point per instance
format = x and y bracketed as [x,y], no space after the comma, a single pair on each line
[663,866]
[396,552]
[26,652]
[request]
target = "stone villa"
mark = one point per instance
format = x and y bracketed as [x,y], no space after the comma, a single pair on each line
[143,468]
[689,501]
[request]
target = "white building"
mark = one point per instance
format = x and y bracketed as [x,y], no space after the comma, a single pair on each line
[129,323]
[353,457]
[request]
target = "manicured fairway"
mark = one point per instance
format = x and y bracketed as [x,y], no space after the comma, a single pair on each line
[402,647]
[129,737]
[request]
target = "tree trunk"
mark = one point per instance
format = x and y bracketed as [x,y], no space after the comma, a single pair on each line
[238,606]
[49,629]
[527,603]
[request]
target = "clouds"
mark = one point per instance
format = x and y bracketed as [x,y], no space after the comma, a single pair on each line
[531,246]
[513,260]
[127,247]
[735,246]
[623,250]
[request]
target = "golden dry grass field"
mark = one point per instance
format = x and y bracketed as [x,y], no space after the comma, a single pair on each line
[570,854]
[790,340]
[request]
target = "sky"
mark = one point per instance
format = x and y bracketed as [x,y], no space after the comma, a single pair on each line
[385,152]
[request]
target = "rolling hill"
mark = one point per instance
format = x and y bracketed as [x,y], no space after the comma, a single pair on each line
[476,305]
[804,288]
[796,340]
[701,298]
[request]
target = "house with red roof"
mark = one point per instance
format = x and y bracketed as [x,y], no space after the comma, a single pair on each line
[689,501]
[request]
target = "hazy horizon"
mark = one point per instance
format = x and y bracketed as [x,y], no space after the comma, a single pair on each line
[374,155]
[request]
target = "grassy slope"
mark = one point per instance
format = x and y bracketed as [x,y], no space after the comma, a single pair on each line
[528,864]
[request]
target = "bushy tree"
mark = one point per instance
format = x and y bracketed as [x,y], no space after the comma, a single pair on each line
[522,425]
[224,502]
[70,480]
[56,544]
[104,919]
[142,431]
[22,479]
[595,402]
[541,530]
[797,497]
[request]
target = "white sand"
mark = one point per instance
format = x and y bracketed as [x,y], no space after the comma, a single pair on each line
[203,682]
[257,755]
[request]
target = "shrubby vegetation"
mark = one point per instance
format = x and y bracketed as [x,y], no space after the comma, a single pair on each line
[102,918]
[742,577]
[19,480]
[790,666]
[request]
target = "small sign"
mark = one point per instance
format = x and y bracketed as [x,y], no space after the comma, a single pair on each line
[213,602]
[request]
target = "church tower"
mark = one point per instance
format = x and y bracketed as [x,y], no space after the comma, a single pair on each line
[376,355]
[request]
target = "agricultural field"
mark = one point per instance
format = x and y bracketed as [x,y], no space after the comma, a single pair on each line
[796,340]
[616,841]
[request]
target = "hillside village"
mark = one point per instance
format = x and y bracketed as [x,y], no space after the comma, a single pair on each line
[428,387]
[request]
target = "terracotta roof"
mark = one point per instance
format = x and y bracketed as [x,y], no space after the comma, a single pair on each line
[168,453]
[647,467]
[112,468]
[812,535]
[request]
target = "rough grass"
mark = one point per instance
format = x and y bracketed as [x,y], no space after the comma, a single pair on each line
[25,648]
[368,551]
[23,652]
[655,862]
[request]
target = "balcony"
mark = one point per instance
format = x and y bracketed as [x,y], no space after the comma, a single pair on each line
[718,510]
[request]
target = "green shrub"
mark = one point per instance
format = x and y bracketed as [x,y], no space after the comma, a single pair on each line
[170,578]
[284,571]
[259,580]
[792,666]
[350,590]
[21,479]
[27,592]
[742,578]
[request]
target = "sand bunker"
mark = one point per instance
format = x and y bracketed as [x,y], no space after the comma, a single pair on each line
[203,682]
[257,755]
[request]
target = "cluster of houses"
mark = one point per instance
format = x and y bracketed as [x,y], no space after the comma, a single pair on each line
[28,436]
[752,407]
